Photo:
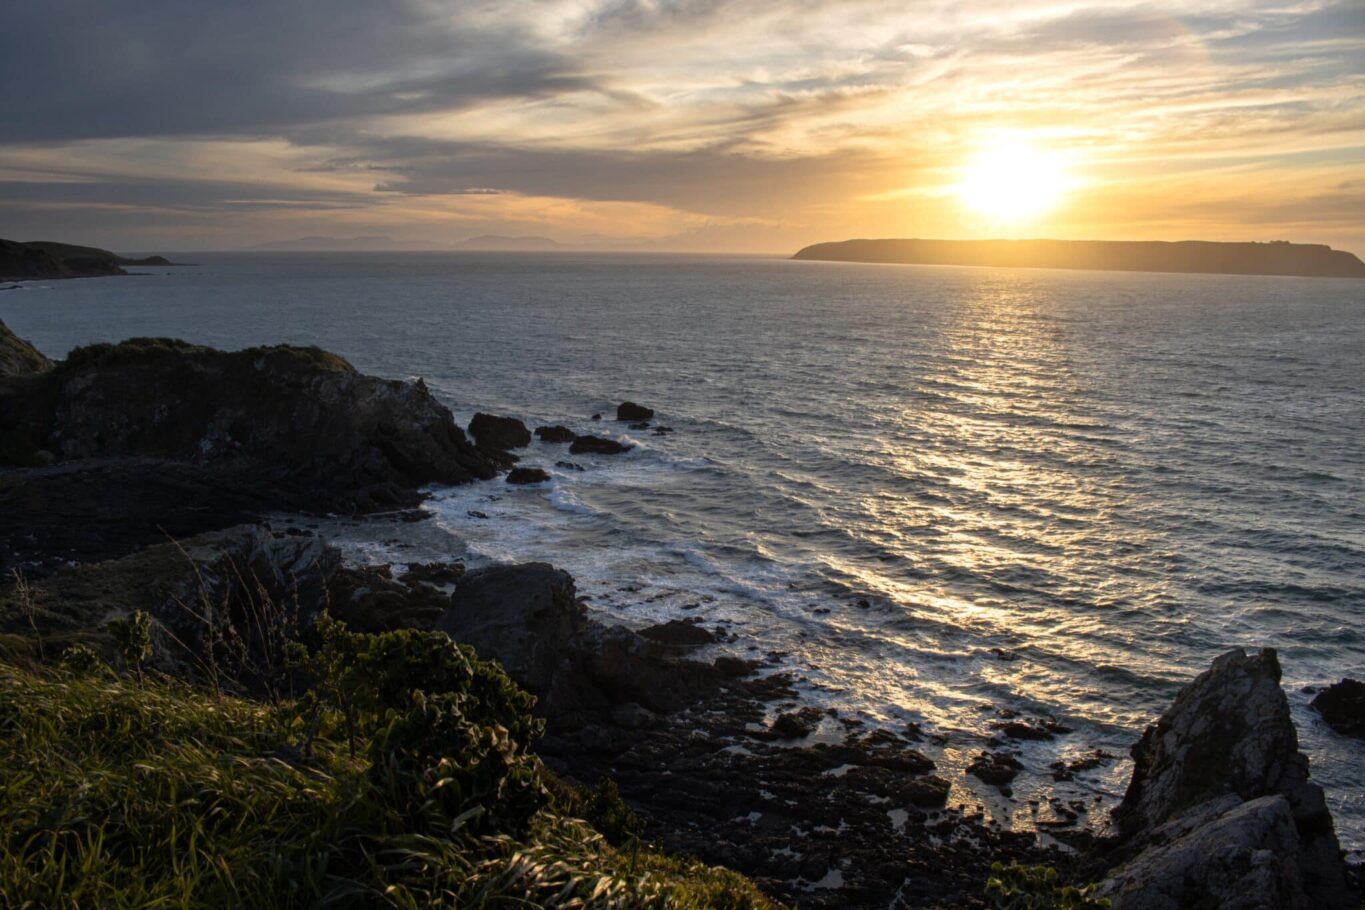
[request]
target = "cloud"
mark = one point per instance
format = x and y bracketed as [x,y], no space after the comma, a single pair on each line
[780,120]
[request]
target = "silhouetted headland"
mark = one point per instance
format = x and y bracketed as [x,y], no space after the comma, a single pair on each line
[43,259]
[1309,260]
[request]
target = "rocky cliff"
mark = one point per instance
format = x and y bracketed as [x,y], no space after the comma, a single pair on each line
[1220,811]
[306,420]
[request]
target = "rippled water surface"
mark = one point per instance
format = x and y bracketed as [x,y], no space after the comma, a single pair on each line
[941,491]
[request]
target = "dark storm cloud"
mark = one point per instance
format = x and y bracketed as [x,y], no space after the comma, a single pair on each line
[93,68]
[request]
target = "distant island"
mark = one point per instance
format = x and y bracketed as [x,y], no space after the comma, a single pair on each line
[324,244]
[1309,260]
[496,242]
[46,259]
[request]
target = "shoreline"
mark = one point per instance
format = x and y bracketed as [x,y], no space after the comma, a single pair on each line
[717,752]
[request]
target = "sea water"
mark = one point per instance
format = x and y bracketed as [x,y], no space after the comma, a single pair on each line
[929,493]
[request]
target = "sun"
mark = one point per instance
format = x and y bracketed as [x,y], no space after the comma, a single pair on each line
[1013,182]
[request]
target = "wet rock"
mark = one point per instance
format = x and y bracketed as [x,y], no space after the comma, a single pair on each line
[433,573]
[1220,810]
[298,423]
[527,475]
[1342,706]
[736,668]
[1067,770]
[995,768]
[499,433]
[796,724]
[555,434]
[475,513]
[679,633]
[596,445]
[596,417]
[568,466]
[629,410]
[1036,729]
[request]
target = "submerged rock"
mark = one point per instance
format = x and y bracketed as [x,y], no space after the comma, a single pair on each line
[499,433]
[1220,811]
[556,434]
[596,445]
[1342,706]
[629,410]
[527,475]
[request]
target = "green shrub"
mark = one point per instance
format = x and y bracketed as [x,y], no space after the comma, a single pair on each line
[1016,887]
[405,779]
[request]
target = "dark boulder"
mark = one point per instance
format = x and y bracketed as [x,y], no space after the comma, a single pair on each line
[796,724]
[679,633]
[596,445]
[568,466]
[436,574]
[629,410]
[527,475]
[529,619]
[556,434]
[18,357]
[1342,706]
[304,421]
[996,768]
[1220,811]
[499,433]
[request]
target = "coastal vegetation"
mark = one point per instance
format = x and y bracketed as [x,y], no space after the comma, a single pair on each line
[402,777]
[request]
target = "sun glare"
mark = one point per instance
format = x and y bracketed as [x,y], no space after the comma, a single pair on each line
[1012,182]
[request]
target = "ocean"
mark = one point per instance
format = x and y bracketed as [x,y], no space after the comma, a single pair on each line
[929,493]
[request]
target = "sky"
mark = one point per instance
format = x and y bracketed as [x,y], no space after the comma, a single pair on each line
[709,125]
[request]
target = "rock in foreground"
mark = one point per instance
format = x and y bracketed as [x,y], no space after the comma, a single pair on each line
[1220,811]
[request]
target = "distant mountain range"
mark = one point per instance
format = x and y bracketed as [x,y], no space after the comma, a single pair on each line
[487,242]
[497,242]
[1275,258]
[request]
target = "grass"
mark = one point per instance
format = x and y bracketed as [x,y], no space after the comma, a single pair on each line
[367,793]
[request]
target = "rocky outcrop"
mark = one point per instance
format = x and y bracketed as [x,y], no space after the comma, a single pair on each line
[555,434]
[1342,706]
[299,422]
[529,619]
[527,475]
[18,357]
[629,410]
[499,433]
[47,259]
[1220,811]
[596,445]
